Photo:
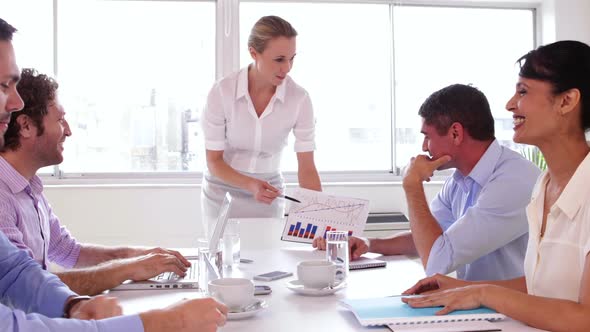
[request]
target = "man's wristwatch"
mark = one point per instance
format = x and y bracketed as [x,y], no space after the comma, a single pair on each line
[71,302]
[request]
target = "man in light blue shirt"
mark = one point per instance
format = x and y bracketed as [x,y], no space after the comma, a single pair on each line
[477,224]
[38,296]
[32,299]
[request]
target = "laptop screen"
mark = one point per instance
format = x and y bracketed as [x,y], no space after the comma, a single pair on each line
[220,224]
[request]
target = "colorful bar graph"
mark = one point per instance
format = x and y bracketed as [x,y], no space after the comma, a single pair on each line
[328,228]
[313,230]
[297,226]
[307,231]
[301,231]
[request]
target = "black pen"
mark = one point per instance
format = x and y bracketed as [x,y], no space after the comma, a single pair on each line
[289,198]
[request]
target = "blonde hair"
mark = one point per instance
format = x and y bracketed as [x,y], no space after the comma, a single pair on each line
[267,28]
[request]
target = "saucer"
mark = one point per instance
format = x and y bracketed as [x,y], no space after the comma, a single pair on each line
[297,287]
[248,311]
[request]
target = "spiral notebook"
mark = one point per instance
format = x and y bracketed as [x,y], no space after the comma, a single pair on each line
[365,263]
[392,311]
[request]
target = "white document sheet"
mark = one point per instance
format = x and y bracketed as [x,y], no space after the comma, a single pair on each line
[319,212]
[481,326]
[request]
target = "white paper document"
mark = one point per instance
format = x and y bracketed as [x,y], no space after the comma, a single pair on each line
[319,212]
[482,326]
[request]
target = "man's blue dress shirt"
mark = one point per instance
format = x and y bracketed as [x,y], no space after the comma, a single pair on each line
[31,298]
[485,229]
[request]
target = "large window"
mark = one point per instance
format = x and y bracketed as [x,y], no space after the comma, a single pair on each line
[33,42]
[347,74]
[438,46]
[134,75]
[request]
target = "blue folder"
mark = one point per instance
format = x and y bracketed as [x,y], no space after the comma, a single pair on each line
[391,310]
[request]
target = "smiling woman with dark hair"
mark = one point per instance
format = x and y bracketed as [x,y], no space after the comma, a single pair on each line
[551,110]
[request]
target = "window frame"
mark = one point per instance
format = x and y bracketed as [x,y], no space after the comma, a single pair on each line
[227,54]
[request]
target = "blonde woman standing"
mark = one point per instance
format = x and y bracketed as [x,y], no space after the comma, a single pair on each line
[246,123]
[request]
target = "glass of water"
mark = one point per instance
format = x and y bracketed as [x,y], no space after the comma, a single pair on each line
[231,243]
[210,265]
[337,253]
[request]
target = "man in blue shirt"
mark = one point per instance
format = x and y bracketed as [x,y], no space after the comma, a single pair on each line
[477,224]
[32,299]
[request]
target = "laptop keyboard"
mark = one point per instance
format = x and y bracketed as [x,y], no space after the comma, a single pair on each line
[191,273]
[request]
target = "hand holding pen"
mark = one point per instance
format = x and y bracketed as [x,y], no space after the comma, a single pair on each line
[263,191]
[289,198]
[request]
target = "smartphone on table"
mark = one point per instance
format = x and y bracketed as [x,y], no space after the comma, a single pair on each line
[274,275]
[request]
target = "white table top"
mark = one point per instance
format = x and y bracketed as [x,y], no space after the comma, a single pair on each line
[288,311]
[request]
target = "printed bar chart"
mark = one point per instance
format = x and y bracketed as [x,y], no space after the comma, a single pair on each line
[319,213]
[307,232]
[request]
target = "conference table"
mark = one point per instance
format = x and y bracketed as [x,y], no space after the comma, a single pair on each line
[288,311]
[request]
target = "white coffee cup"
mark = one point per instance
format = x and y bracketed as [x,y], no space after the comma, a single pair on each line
[316,273]
[233,292]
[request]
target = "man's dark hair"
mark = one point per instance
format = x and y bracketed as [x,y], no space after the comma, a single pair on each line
[463,104]
[6,31]
[37,91]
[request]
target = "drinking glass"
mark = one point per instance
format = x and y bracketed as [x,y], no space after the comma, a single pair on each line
[210,265]
[337,253]
[231,243]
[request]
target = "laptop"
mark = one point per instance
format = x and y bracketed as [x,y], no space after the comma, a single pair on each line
[170,280]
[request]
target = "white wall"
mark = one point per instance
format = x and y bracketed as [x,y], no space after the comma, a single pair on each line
[169,215]
[566,19]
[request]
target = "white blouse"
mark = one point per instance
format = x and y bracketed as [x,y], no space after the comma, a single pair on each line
[554,264]
[250,143]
